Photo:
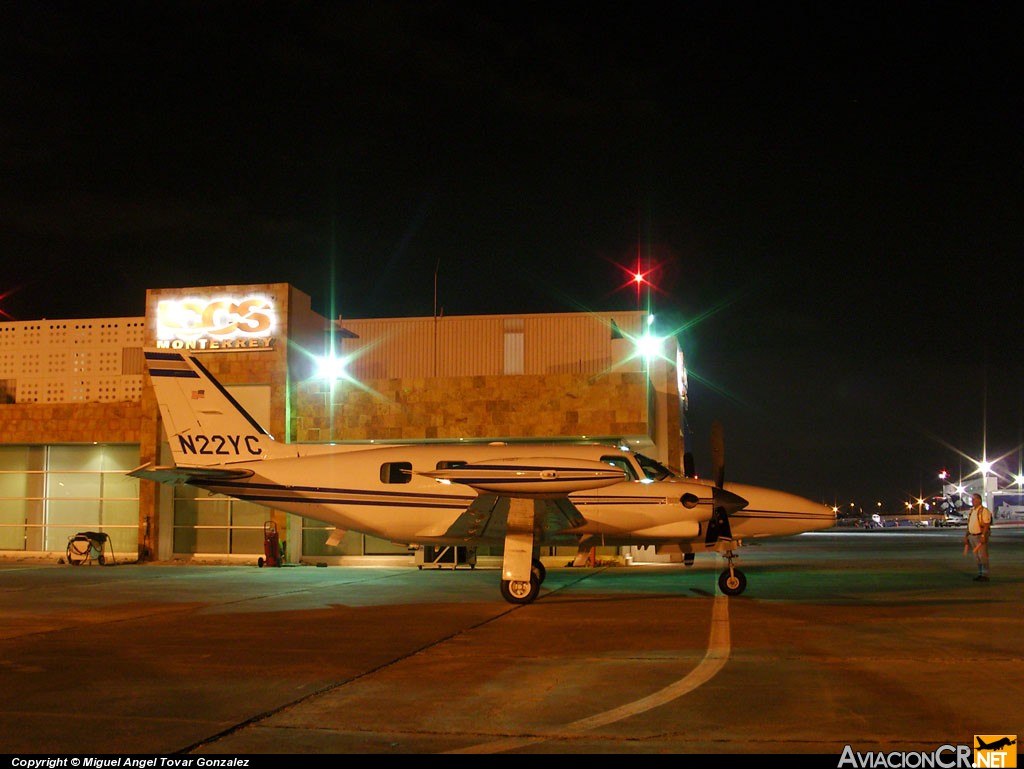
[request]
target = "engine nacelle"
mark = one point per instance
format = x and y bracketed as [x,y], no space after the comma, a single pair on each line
[533,478]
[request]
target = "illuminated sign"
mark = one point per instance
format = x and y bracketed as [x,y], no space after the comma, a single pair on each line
[222,323]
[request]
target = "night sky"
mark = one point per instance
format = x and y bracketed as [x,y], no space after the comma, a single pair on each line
[828,196]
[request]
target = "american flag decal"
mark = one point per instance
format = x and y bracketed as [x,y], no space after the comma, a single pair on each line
[197,394]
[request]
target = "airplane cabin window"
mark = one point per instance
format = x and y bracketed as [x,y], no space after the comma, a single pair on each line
[447,464]
[396,472]
[623,464]
[653,469]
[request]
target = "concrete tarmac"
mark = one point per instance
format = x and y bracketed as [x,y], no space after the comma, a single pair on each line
[876,641]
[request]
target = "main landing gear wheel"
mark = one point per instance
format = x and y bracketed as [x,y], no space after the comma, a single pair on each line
[732,582]
[539,571]
[519,590]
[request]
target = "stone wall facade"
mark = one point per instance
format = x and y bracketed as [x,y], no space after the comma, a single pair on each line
[34,423]
[473,407]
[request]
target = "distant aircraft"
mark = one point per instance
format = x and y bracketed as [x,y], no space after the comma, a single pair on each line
[521,496]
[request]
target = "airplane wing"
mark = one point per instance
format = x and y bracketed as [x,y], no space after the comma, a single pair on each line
[181,474]
[540,483]
[487,519]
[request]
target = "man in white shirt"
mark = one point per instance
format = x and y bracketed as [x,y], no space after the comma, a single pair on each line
[979,525]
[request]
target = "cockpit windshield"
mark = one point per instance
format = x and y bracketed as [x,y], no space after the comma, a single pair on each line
[652,468]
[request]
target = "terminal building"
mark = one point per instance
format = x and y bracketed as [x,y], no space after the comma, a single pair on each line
[77,412]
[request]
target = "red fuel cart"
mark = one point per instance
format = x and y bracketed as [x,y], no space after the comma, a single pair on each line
[271,546]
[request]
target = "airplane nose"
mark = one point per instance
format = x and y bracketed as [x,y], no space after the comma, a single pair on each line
[821,516]
[804,514]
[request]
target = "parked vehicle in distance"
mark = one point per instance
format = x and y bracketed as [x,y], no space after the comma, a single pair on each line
[951,520]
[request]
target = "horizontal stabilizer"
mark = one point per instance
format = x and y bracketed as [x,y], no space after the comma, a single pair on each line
[169,474]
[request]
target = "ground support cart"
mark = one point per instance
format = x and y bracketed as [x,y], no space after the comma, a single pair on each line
[86,546]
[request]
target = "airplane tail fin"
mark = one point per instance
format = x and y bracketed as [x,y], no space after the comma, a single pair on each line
[205,426]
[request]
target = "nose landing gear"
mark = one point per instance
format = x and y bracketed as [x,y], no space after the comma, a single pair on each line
[731,581]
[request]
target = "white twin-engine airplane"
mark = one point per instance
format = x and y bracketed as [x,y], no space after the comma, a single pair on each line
[522,496]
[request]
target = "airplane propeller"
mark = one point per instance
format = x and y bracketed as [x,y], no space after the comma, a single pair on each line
[725,502]
[718,454]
